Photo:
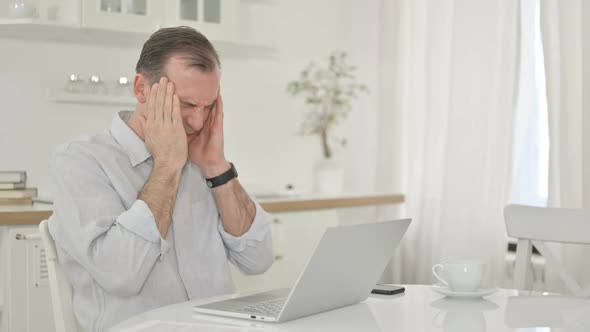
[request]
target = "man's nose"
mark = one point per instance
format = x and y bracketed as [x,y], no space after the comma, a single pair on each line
[195,116]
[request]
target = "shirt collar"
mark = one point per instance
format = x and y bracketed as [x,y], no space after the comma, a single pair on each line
[128,139]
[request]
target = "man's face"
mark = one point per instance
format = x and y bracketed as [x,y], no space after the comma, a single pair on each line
[197,92]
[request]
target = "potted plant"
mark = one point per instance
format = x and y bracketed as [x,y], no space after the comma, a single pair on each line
[328,92]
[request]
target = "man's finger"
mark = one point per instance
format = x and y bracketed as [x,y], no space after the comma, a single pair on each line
[176,119]
[218,119]
[168,102]
[160,98]
[152,102]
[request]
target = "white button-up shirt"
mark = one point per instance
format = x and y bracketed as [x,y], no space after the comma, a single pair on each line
[107,240]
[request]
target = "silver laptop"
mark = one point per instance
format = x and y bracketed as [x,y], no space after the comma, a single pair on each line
[343,269]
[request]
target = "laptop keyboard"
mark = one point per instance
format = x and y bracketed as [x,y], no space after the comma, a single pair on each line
[267,308]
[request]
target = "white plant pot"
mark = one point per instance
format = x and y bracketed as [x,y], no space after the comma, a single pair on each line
[329,176]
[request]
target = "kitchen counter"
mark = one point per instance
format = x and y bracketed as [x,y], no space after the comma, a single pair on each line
[11,215]
[320,202]
[33,214]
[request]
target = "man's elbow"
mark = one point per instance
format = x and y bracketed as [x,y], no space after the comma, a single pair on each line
[262,263]
[258,268]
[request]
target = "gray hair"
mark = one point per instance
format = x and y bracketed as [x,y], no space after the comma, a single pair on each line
[183,40]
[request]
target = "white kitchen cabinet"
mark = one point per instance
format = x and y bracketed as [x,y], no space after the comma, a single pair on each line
[54,12]
[143,16]
[217,19]
[24,287]
[228,24]
[26,296]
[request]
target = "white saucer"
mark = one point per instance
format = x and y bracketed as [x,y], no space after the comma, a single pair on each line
[444,290]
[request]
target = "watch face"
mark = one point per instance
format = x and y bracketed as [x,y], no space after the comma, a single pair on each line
[209,184]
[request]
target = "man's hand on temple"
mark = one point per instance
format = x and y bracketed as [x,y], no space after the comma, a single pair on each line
[163,129]
[166,141]
[206,149]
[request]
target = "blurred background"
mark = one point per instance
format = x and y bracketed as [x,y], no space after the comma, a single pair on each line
[462,107]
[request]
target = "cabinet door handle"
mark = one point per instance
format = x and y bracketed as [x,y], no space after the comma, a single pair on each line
[20,236]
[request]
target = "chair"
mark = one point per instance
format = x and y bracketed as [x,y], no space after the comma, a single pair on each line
[61,291]
[533,226]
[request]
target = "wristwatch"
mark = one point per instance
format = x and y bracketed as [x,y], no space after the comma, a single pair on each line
[223,178]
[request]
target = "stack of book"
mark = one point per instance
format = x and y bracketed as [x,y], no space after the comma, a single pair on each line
[13,188]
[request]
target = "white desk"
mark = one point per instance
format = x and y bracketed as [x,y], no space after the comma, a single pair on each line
[419,309]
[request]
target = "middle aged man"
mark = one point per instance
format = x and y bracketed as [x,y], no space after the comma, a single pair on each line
[149,212]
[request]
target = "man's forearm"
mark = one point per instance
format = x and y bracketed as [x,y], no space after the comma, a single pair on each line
[159,193]
[235,207]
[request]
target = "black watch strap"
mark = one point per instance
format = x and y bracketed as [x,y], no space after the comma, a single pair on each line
[223,178]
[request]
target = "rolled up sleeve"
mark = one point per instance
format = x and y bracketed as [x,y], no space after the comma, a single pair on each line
[252,251]
[140,220]
[118,247]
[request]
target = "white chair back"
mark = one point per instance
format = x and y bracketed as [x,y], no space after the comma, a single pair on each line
[61,291]
[533,226]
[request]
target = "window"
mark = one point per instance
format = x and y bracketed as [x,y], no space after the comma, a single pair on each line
[531,132]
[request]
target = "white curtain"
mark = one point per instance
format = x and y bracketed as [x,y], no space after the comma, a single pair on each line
[457,69]
[531,135]
[562,27]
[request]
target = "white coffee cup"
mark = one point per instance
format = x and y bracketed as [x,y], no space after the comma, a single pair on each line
[460,276]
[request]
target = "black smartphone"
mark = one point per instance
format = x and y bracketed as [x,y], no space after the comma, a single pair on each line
[387,289]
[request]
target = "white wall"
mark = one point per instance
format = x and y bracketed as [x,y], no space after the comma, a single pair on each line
[586,99]
[261,119]
[391,118]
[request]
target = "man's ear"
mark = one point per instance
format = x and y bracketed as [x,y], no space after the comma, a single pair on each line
[140,88]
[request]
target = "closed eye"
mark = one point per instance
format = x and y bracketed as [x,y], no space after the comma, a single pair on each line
[186,105]
[189,105]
